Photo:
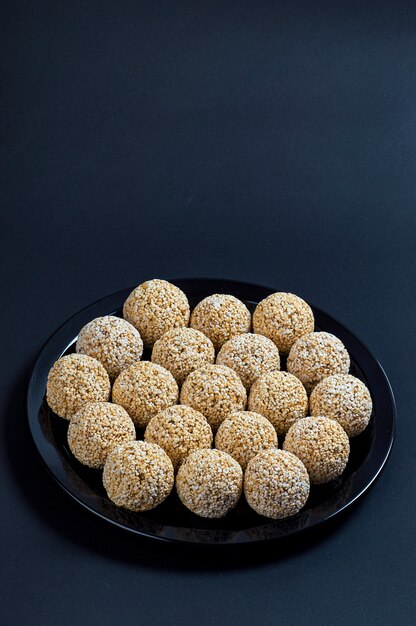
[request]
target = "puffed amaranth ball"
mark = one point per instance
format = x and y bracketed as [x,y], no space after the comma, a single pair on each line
[144,389]
[250,356]
[283,318]
[243,434]
[221,317]
[344,398]
[155,307]
[112,341]
[73,381]
[209,483]
[316,356]
[281,398]
[96,429]
[138,476]
[276,484]
[215,391]
[179,430]
[183,350]
[321,444]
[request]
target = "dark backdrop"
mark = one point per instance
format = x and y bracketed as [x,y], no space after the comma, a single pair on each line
[264,141]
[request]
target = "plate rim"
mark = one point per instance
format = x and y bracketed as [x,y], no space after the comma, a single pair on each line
[142,533]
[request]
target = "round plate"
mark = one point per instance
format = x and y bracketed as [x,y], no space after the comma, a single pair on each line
[171,521]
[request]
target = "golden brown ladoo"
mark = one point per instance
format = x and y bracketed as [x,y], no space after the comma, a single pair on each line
[138,476]
[250,356]
[96,429]
[112,341]
[283,318]
[321,444]
[344,398]
[75,380]
[281,398]
[243,434]
[179,430]
[144,389]
[221,317]
[315,356]
[276,484]
[215,391]
[155,307]
[183,350]
[209,483]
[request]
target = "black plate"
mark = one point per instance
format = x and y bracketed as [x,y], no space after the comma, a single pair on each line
[171,521]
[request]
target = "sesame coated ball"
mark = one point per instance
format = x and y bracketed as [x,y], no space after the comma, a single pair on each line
[250,356]
[74,380]
[281,398]
[155,307]
[283,318]
[179,430]
[215,391]
[221,317]
[144,389]
[209,483]
[316,356]
[112,341]
[138,476]
[321,444]
[276,484]
[344,398]
[243,434]
[95,429]
[183,350]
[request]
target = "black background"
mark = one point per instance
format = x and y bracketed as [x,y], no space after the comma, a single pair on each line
[272,142]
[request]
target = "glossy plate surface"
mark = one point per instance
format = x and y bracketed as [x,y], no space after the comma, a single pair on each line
[171,521]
